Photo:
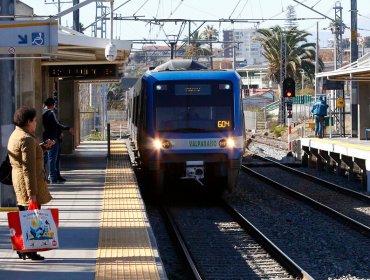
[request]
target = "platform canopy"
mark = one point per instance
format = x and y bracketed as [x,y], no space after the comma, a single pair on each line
[356,71]
[75,48]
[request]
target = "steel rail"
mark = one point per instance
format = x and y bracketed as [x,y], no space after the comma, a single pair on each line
[180,242]
[363,229]
[322,182]
[266,243]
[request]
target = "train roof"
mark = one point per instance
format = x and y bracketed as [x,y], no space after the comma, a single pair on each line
[179,65]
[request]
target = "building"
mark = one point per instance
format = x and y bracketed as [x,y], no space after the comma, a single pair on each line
[254,79]
[249,49]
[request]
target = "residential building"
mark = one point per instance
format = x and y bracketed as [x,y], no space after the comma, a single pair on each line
[249,49]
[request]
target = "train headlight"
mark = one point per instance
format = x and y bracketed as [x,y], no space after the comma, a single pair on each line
[157,144]
[229,142]
[161,144]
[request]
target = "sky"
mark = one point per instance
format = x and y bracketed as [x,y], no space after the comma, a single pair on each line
[265,12]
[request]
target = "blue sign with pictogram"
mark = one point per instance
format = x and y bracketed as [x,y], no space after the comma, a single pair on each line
[38,38]
[28,37]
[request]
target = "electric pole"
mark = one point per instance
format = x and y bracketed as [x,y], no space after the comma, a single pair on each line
[354,57]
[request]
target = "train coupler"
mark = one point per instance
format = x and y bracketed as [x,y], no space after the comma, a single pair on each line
[194,170]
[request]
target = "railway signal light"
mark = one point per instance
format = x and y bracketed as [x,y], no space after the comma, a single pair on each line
[288,87]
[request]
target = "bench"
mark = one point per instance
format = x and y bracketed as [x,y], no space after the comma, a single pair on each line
[366,131]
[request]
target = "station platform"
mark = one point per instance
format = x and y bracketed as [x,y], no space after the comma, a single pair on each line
[104,231]
[339,153]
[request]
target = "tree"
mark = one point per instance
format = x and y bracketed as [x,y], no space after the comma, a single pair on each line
[195,50]
[291,18]
[300,55]
[210,33]
[115,97]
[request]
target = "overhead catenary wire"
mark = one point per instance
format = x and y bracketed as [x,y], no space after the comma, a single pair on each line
[146,1]
[234,9]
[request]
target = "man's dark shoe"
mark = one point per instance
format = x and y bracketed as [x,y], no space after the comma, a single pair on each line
[55,182]
[61,179]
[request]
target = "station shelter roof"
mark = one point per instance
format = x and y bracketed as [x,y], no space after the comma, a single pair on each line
[356,71]
[75,48]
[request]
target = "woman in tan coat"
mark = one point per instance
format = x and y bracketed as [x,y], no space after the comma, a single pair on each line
[27,160]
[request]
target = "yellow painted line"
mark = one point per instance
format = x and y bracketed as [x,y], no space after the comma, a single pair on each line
[15,25]
[124,250]
[356,146]
[8,209]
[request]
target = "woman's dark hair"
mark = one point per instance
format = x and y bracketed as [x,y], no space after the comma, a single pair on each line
[23,115]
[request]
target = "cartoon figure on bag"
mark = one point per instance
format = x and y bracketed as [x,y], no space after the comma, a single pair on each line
[39,231]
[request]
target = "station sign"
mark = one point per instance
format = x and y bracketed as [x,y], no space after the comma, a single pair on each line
[108,71]
[340,102]
[332,85]
[29,37]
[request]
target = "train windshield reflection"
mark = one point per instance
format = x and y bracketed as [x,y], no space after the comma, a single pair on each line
[204,108]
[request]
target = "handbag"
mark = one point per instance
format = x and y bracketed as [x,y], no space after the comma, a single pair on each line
[34,230]
[6,171]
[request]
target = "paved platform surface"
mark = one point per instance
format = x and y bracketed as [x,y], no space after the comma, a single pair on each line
[80,202]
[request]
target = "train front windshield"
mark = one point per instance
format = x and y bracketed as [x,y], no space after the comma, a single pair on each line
[193,106]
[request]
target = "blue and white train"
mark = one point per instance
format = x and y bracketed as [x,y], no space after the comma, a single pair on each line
[187,122]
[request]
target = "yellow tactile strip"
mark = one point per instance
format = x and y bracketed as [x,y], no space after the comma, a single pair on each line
[125,250]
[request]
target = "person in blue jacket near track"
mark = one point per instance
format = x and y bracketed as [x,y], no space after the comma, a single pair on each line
[319,110]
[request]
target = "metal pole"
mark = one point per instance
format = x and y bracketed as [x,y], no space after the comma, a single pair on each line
[108,137]
[76,16]
[289,132]
[7,102]
[234,58]
[172,44]
[111,22]
[354,57]
[59,19]
[317,61]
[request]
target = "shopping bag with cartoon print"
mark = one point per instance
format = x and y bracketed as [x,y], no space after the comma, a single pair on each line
[34,230]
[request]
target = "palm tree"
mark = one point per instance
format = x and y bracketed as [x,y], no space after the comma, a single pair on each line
[300,55]
[195,50]
[210,33]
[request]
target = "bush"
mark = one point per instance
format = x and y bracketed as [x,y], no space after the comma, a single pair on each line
[94,136]
[276,129]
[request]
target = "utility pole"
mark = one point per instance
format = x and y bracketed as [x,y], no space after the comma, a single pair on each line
[76,17]
[338,30]
[100,13]
[354,57]
[282,76]
[172,42]
[317,91]
[7,101]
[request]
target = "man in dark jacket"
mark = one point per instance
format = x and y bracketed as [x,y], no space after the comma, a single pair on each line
[53,130]
[319,110]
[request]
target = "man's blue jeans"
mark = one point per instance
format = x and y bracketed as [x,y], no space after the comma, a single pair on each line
[53,161]
[319,126]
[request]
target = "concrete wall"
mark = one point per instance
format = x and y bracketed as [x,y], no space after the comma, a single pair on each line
[364,108]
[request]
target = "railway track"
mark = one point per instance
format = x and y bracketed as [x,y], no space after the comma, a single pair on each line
[315,241]
[345,205]
[255,257]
